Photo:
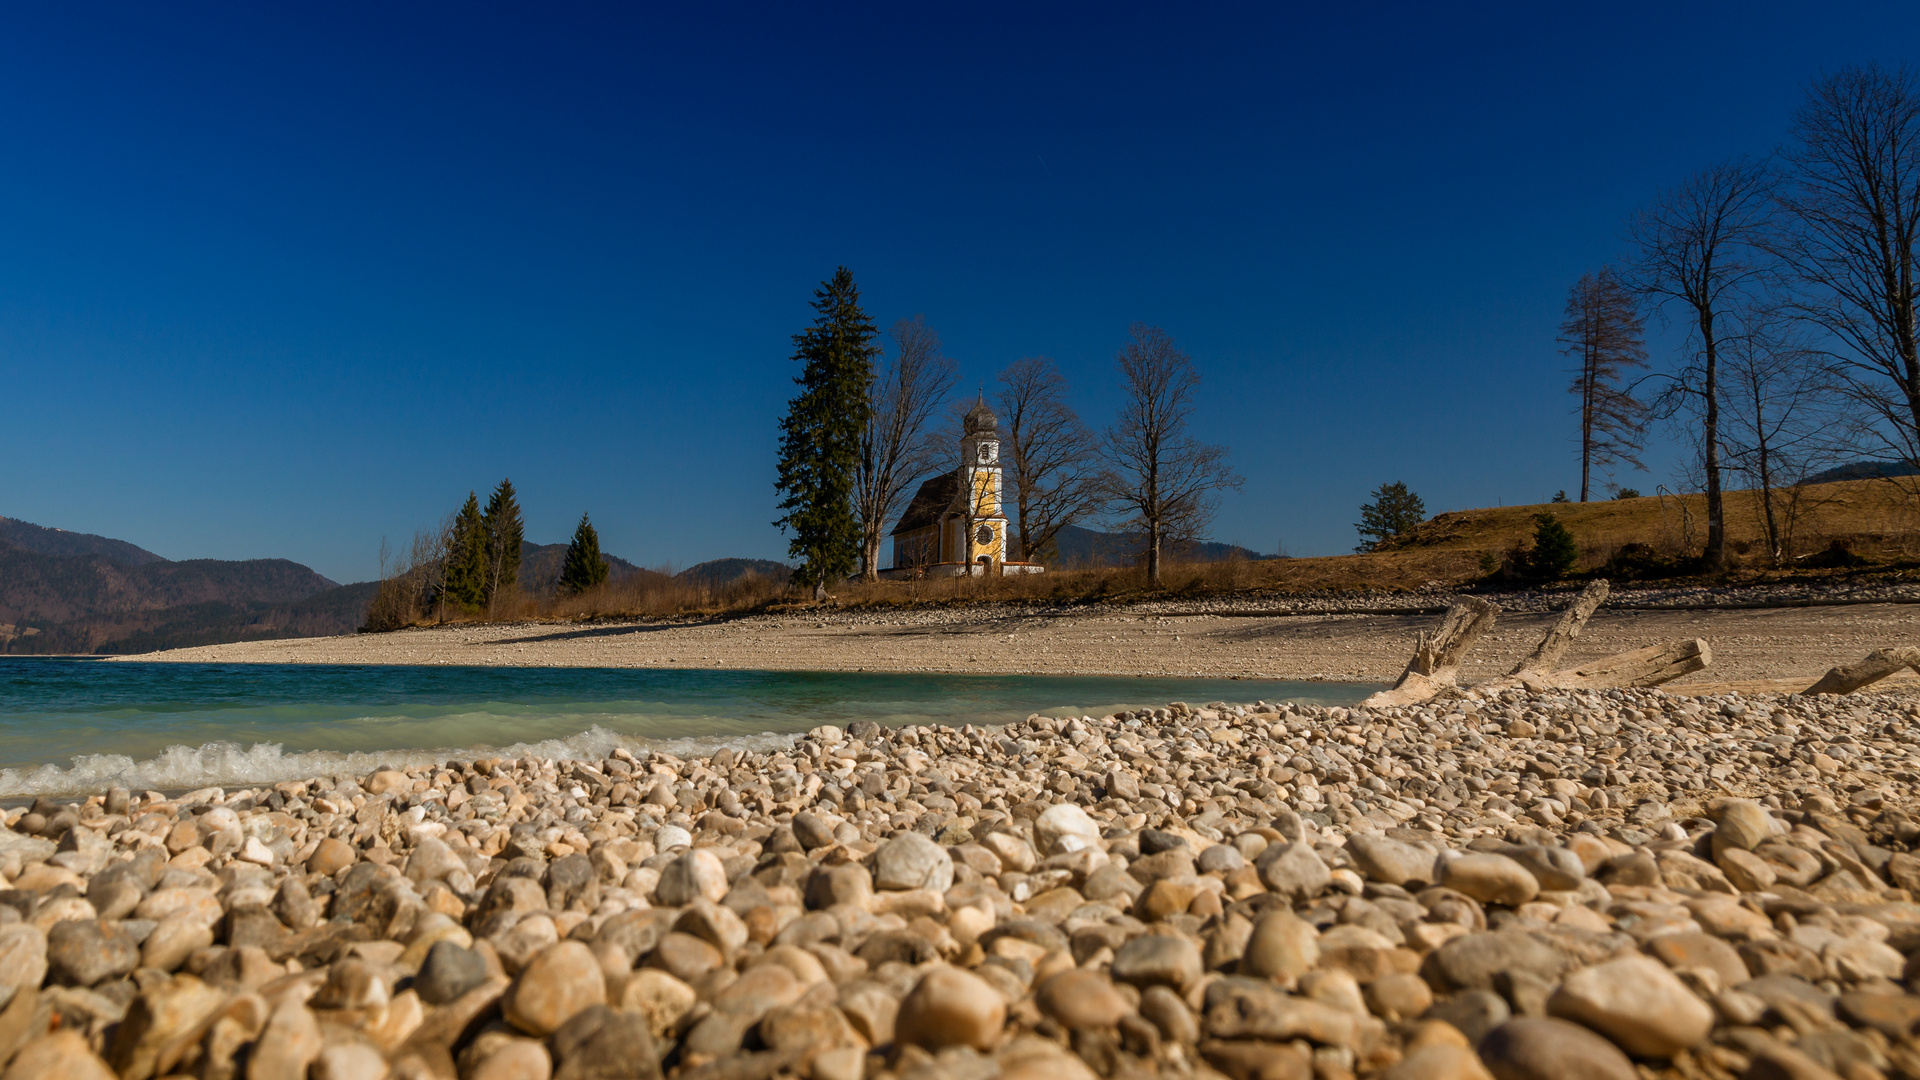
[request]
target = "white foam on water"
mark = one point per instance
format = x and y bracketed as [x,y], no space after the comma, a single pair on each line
[228,764]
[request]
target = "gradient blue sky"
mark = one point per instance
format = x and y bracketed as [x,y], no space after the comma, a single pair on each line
[280,280]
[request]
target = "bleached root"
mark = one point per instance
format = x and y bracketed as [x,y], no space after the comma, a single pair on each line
[1436,660]
[1870,669]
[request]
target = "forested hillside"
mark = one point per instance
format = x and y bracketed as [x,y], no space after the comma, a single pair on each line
[64,592]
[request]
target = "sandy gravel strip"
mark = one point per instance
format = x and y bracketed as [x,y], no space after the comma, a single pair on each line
[1768,648]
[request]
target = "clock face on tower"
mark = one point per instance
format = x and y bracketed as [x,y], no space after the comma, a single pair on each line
[984,535]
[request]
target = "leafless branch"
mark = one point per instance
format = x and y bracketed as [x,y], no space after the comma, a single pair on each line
[1852,212]
[1053,457]
[907,391]
[1164,482]
[1702,246]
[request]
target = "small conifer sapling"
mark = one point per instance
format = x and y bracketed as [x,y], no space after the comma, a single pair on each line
[1554,550]
[584,567]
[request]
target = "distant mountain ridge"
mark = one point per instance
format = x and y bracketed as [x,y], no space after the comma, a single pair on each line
[717,572]
[66,592]
[540,567]
[1082,548]
[339,610]
[45,541]
[1863,470]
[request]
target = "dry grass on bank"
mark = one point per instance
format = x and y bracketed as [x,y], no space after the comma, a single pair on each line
[1877,517]
[1874,519]
[1878,520]
[647,594]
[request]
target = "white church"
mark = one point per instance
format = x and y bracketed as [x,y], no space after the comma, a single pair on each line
[956,525]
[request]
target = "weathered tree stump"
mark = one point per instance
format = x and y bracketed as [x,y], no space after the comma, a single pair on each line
[1554,646]
[1871,668]
[1436,660]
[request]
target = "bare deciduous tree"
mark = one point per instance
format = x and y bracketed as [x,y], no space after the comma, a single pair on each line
[1775,422]
[1852,205]
[1164,481]
[907,391]
[1604,335]
[1053,457]
[1699,245]
[412,587]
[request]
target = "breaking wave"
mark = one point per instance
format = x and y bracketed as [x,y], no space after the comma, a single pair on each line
[228,764]
[71,728]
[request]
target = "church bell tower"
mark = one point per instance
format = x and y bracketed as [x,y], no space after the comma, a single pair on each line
[984,525]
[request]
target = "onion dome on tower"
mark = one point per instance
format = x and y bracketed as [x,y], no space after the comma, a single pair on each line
[980,419]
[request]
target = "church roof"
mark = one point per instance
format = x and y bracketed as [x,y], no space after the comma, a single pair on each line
[980,418]
[929,502]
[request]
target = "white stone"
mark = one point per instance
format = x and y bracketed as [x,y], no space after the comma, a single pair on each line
[1062,820]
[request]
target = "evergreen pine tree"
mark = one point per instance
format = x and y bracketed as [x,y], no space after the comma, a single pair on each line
[504,532]
[1393,511]
[466,576]
[584,566]
[1554,550]
[820,435]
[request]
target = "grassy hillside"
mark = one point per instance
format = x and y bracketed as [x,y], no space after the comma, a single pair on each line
[1876,518]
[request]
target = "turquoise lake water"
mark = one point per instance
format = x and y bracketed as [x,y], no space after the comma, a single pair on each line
[77,726]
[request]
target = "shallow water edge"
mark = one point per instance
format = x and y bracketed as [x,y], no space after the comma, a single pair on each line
[72,726]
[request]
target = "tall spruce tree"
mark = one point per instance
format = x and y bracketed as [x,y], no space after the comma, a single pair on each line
[820,435]
[584,566]
[504,532]
[466,576]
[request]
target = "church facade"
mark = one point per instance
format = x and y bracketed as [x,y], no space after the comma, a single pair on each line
[956,524]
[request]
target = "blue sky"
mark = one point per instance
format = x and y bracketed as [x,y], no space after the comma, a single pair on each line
[283,282]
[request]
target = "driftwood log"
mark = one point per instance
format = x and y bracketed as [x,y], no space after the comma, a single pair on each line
[1875,666]
[1651,666]
[1547,655]
[1436,659]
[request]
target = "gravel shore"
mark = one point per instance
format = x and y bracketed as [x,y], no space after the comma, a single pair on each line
[1601,885]
[1784,647]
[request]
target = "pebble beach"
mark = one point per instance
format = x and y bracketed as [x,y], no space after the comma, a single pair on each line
[1597,884]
